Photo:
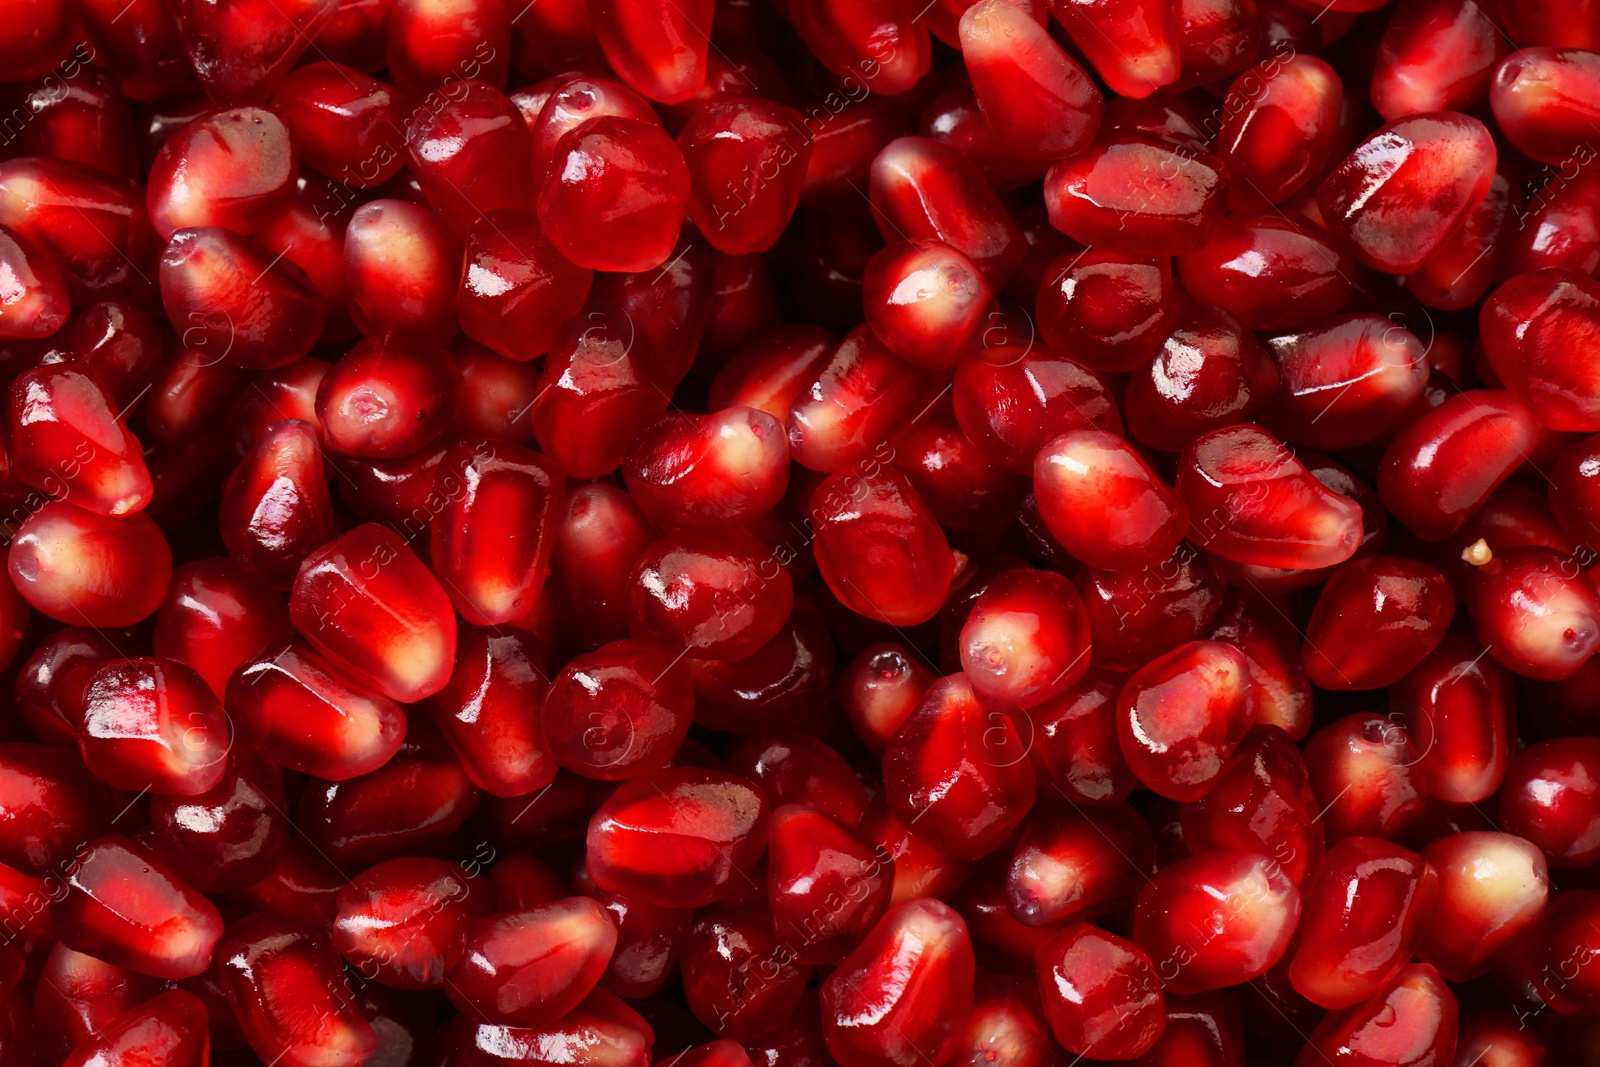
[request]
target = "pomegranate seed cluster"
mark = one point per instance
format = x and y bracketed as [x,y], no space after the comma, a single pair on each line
[811,533]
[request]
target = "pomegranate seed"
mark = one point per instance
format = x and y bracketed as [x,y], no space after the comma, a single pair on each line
[927,301]
[1536,612]
[1413,1018]
[738,978]
[1090,480]
[401,268]
[925,190]
[276,509]
[1558,230]
[1208,373]
[1459,710]
[231,835]
[531,967]
[1365,914]
[870,527]
[1026,640]
[958,772]
[168,1028]
[1013,400]
[482,712]
[33,301]
[1364,773]
[1375,620]
[51,804]
[658,49]
[1283,690]
[1436,55]
[1179,756]
[68,439]
[1132,43]
[729,144]
[1492,890]
[1344,380]
[241,50]
[288,989]
[904,993]
[1539,100]
[411,804]
[1534,314]
[718,824]
[126,907]
[1269,272]
[722,469]
[1101,993]
[80,996]
[1550,797]
[1040,103]
[470,152]
[87,569]
[232,169]
[1136,194]
[1076,863]
[1471,259]
[1398,195]
[346,125]
[603,1030]
[618,712]
[436,45]
[1240,943]
[398,920]
[292,706]
[140,43]
[826,886]
[153,724]
[878,42]
[1111,310]
[515,287]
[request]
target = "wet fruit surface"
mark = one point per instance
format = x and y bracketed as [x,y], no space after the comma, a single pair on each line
[823,533]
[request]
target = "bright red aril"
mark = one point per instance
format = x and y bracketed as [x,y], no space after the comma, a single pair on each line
[1412,1019]
[1025,640]
[154,724]
[1181,716]
[1038,100]
[1492,891]
[1375,620]
[1100,498]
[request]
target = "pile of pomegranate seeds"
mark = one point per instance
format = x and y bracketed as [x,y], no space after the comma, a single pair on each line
[822,533]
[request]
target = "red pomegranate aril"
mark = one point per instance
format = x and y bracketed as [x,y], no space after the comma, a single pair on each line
[49,687]
[657,48]
[140,43]
[1498,1038]
[904,993]
[33,295]
[783,678]
[1026,639]
[243,49]
[1100,499]
[49,805]
[122,905]
[746,159]
[1364,916]
[398,921]
[603,1030]
[880,44]
[482,712]
[529,968]
[1011,400]
[490,542]
[516,288]
[1460,712]
[1110,310]
[716,825]
[878,547]
[795,768]
[389,396]
[93,225]
[855,402]
[1270,272]
[470,152]
[215,617]
[1181,716]
[615,195]
[1076,745]
[720,594]
[1345,380]
[1401,191]
[1101,993]
[596,540]
[1365,776]
[1473,258]
[1559,227]
[1526,321]
[230,836]
[600,383]
[1436,55]
[721,469]
[1281,126]
[1075,863]
[370,605]
[80,996]
[276,509]
[958,773]
[668,307]
[826,886]
[1444,465]
[573,100]
[291,705]
[1412,1019]
[437,45]
[169,1028]
[1137,195]
[1209,372]
[1007,1025]
[618,712]
[1492,891]
[739,977]
[192,388]
[1542,101]
[153,724]
[233,169]
[927,301]
[880,688]
[1261,801]
[1551,797]
[1135,616]
[347,125]
[90,570]
[68,439]
[401,268]
[1537,612]
[1251,501]
[963,485]
[119,344]
[1375,620]
[1254,625]
[925,190]
[1038,100]
[496,395]
[289,991]
[1244,902]
[1133,44]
